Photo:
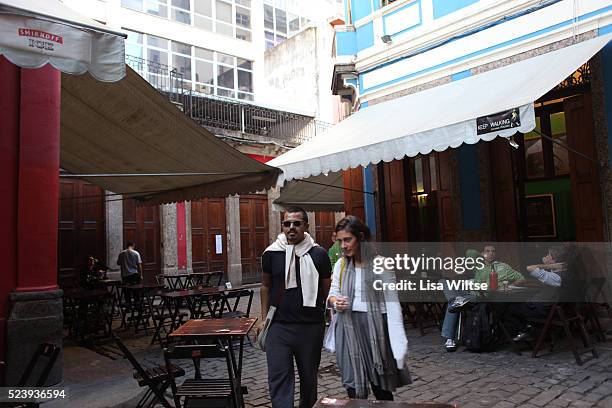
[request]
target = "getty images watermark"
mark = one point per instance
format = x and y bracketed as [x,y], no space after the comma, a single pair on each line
[491,272]
[421,265]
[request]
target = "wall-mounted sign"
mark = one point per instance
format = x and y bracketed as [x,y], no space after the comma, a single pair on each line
[218,244]
[499,121]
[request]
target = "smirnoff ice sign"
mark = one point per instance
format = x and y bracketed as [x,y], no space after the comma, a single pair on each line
[41,39]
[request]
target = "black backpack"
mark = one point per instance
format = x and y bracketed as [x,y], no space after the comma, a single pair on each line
[479,329]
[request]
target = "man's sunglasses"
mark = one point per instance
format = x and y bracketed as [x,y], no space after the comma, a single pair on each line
[287,224]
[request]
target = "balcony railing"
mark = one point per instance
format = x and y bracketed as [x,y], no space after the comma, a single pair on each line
[225,115]
[249,119]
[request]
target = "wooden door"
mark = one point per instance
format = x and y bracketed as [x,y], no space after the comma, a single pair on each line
[446,209]
[81,229]
[209,235]
[584,175]
[354,200]
[505,217]
[141,225]
[396,221]
[325,227]
[254,235]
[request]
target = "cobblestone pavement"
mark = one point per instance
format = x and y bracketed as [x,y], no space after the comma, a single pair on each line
[500,379]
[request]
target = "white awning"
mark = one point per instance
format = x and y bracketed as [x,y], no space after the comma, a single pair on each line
[319,193]
[437,118]
[36,32]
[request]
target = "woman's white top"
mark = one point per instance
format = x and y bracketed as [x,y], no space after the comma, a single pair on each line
[391,308]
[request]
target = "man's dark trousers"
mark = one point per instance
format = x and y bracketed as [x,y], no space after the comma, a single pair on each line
[284,342]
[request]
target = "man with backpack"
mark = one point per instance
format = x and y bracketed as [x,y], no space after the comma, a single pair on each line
[480,316]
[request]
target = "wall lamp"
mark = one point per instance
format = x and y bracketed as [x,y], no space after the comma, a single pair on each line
[386,39]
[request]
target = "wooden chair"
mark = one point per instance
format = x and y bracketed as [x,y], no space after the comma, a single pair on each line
[595,300]
[214,390]
[231,301]
[48,351]
[564,315]
[156,378]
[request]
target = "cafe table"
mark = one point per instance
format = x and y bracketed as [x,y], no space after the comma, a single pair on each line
[327,402]
[224,330]
[193,299]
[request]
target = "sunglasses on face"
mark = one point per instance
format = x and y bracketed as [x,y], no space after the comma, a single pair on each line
[287,224]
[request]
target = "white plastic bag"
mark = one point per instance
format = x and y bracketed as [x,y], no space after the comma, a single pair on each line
[329,341]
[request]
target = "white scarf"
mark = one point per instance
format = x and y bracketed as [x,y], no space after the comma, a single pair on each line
[309,276]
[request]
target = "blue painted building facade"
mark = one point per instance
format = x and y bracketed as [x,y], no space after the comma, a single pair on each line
[390,49]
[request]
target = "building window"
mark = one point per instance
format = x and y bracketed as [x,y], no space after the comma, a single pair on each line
[543,158]
[134,44]
[227,17]
[281,23]
[203,71]
[181,61]
[203,15]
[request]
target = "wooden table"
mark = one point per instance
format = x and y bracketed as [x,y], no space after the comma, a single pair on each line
[345,403]
[224,330]
[87,309]
[194,299]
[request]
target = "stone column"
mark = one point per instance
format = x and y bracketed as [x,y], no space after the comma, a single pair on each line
[114,233]
[169,239]
[234,251]
[274,221]
[338,216]
[312,224]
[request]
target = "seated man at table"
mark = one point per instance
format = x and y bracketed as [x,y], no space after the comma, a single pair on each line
[553,273]
[131,264]
[505,273]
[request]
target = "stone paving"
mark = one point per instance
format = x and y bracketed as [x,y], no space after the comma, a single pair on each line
[500,379]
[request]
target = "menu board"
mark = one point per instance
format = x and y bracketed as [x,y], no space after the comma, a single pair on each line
[541,216]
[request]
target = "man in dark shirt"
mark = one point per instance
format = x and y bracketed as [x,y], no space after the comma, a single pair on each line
[296,279]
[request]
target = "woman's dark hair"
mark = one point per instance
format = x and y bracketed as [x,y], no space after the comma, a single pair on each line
[361,231]
[355,226]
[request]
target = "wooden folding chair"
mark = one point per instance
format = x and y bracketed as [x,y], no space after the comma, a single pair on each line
[156,378]
[231,301]
[564,315]
[45,350]
[214,390]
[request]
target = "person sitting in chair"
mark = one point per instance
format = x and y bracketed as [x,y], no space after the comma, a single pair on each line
[505,273]
[552,272]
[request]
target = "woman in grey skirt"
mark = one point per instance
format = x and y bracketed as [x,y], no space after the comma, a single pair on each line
[371,342]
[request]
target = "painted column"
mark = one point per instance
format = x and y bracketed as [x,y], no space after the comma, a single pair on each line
[181,237]
[29,152]
[188,237]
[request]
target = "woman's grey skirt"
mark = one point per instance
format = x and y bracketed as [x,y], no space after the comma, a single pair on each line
[393,379]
